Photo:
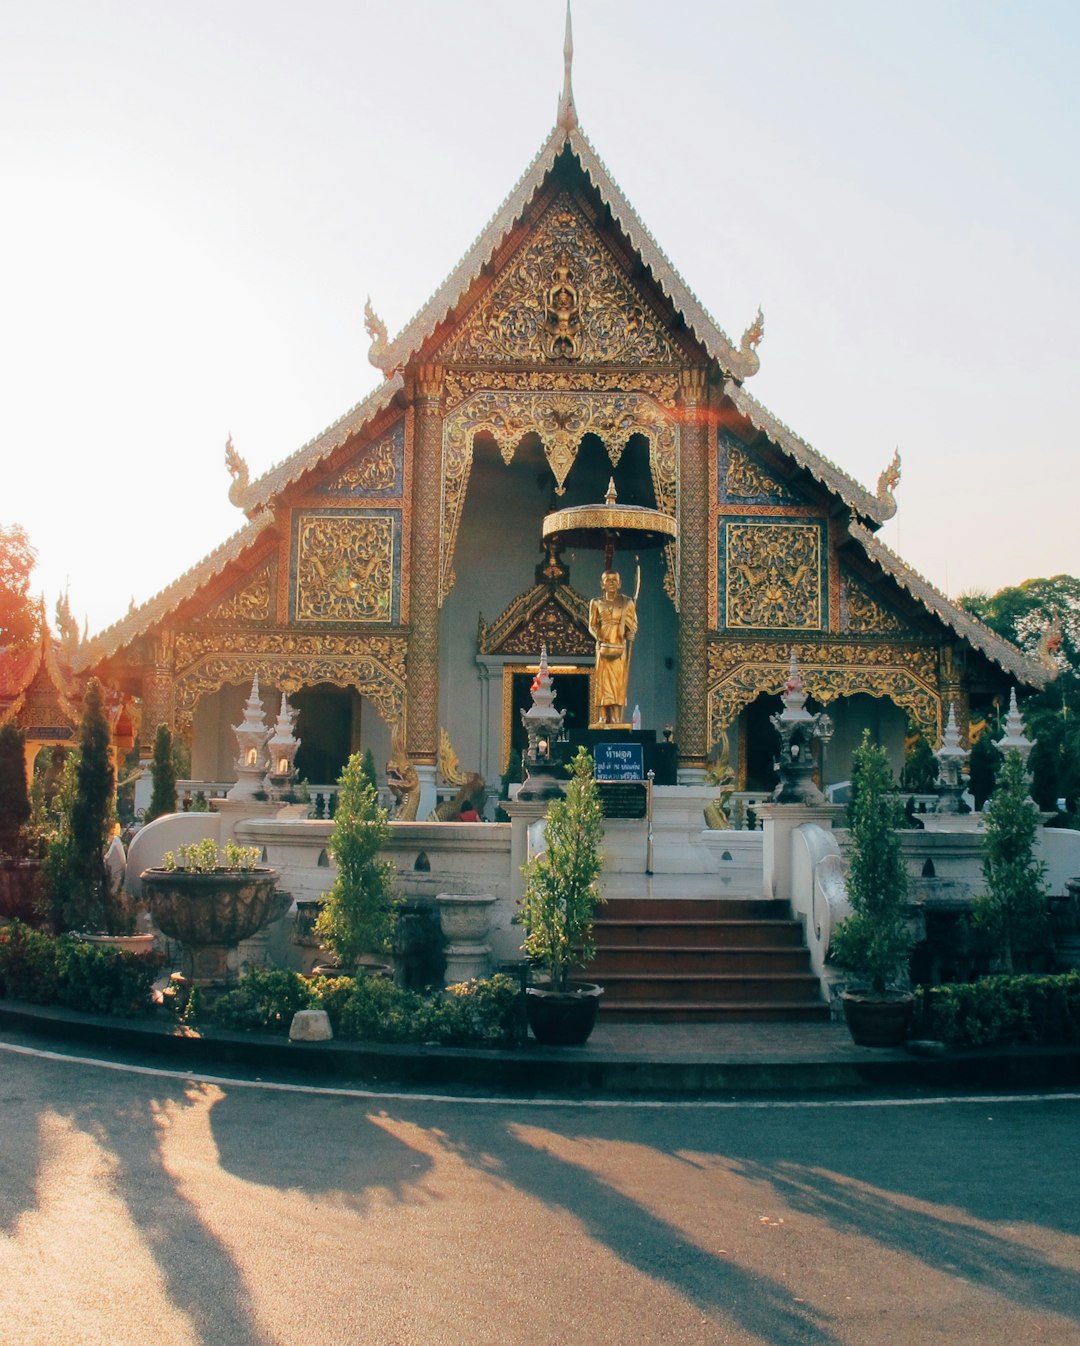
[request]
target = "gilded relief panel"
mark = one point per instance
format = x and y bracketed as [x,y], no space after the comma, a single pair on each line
[739,671]
[252,603]
[376,471]
[743,479]
[373,665]
[346,566]
[861,612]
[563,298]
[561,420]
[771,575]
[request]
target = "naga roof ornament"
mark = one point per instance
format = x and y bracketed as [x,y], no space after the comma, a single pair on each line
[887,482]
[241,477]
[380,338]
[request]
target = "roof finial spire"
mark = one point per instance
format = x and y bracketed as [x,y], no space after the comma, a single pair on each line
[567,111]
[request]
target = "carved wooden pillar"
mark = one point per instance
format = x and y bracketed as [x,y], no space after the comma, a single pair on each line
[422,693]
[954,692]
[692,685]
[158,694]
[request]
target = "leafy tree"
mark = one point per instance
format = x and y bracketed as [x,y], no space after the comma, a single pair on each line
[18,613]
[360,910]
[1029,612]
[561,894]
[874,940]
[14,796]
[1052,722]
[1014,909]
[163,772]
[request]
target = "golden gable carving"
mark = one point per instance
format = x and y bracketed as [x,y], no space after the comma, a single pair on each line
[563,298]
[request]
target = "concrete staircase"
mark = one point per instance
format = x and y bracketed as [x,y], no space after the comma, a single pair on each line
[702,960]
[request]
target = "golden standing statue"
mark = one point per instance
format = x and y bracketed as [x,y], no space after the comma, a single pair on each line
[613,625]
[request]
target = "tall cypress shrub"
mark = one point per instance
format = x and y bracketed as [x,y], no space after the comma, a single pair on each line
[163,773]
[88,903]
[14,796]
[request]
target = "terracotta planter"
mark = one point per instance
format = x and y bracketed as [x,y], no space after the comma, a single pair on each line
[209,914]
[563,1018]
[878,1021]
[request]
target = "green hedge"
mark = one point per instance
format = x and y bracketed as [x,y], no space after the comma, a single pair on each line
[1026,1008]
[375,1009]
[48,970]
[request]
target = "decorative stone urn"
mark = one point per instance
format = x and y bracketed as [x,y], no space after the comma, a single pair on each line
[210,913]
[464,920]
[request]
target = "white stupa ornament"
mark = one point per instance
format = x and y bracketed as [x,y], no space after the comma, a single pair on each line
[1014,737]
[251,735]
[281,748]
[951,757]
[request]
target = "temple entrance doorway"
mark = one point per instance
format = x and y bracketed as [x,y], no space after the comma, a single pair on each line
[760,743]
[328,727]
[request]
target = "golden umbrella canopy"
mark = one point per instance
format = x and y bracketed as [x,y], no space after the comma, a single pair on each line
[609,526]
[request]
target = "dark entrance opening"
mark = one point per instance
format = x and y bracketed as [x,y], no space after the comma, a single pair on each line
[571,695]
[324,727]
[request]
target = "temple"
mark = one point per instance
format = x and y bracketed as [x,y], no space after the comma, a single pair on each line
[390,575]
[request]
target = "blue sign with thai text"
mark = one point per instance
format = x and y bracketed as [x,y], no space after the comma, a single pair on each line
[619,761]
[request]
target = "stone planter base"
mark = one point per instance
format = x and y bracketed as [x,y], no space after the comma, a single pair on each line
[878,1021]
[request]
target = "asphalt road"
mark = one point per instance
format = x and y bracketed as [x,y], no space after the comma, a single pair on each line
[140,1208]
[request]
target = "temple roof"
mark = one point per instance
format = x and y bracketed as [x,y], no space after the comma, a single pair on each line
[140,620]
[40,663]
[878,508]
[738,362]
[1013,661]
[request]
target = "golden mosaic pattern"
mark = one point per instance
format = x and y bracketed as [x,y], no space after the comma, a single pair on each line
[860,612]
[251,603]
[559,620]
[745,479]
[561,420]
[373,471]
[563,297]
[739,671]
[361,668]
[773,576]
[662,385]
[344,567]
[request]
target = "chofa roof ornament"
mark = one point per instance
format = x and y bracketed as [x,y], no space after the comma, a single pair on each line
[886,484]
[380,338]
[238,470]
[567,117]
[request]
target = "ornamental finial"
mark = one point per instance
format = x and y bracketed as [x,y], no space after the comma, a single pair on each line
[567,112]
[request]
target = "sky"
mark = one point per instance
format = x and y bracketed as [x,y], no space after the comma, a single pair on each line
[197,198]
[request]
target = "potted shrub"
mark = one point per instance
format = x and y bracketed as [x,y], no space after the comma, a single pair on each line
[557,909]
[873,942]
[209,900]
[359,914]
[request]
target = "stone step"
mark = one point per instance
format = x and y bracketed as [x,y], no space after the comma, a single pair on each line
[733,1011]
[690,960]
[693,909]
[629,933]
[782,988]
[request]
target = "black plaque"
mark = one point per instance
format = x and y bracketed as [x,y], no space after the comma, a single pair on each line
[622,798]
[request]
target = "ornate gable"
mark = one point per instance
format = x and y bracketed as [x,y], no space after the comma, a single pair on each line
[250,603]
[554,616]
[744,479]
[563,298]
[862,612]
